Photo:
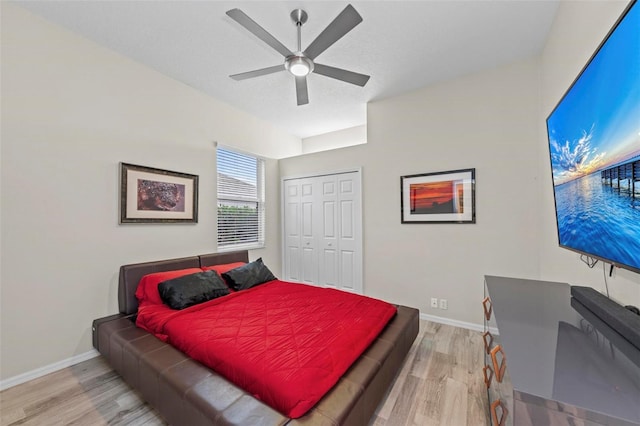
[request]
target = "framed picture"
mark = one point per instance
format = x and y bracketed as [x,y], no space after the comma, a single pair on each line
[442,197]
[149,195]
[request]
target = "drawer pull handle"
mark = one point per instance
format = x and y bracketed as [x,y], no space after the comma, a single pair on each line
[488,307]
[499,370]
[503,413]
[487,342]
[487,377]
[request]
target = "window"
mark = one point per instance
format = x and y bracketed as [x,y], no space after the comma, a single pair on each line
[240,200]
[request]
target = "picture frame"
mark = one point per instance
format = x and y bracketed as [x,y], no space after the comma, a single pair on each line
[440,197]
[149,195]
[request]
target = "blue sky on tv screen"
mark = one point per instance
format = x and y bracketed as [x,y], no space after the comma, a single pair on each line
[597,123]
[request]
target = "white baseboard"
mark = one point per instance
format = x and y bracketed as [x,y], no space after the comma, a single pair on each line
[456,323]
[42,371]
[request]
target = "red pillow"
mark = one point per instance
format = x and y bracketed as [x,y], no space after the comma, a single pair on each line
[225,267]
[147,290]
[222,268]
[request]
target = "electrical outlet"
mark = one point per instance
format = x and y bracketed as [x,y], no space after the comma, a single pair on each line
[443,304]
[434,302]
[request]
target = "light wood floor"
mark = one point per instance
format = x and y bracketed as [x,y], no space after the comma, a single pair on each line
[440,384]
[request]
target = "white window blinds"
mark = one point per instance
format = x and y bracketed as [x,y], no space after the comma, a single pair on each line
[240,200]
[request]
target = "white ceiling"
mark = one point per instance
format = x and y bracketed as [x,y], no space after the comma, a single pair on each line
[402,45]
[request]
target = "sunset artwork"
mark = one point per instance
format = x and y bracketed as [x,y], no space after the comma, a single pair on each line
[436,197]
[441,197]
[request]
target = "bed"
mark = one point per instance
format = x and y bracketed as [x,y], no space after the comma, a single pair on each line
[186,392]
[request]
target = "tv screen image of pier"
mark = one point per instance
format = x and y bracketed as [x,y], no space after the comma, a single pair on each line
[594,145]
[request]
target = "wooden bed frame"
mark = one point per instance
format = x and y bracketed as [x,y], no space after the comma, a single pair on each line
[185,392]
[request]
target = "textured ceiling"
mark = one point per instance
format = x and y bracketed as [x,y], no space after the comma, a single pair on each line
[402,45]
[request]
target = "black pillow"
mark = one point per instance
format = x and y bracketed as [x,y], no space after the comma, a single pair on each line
[249,275]
[189,290]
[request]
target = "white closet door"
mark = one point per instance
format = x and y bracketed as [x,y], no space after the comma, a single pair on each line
[323,231]
[349,232]
[328,221]
[309,231]
[300,242]
[292,231]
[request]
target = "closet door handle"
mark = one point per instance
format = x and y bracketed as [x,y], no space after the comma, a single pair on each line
[488,340]
[494,413]
[499,370]
[488,308]
[487,377]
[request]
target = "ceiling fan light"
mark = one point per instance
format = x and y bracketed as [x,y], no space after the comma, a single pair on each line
[299,66]
[299,69]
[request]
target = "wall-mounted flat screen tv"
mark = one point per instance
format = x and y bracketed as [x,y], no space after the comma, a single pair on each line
[594,145]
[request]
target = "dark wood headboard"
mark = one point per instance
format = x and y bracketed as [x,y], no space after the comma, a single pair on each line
[130,275]
[222,258]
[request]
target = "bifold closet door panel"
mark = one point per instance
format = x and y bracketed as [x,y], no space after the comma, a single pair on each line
[300,248]
[322,231]
[350,232]
[328,224]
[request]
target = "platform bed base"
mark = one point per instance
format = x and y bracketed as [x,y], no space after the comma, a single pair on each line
[185,392]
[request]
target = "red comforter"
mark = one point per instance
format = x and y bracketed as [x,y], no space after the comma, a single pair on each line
[287,344]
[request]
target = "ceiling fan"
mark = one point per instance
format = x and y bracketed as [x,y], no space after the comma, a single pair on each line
[301,63]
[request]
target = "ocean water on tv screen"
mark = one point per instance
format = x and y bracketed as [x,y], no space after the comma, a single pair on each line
[594,217]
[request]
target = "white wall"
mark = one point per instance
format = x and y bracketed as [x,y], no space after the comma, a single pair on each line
[71,111]
[333,140]
[486,121]
[577,32]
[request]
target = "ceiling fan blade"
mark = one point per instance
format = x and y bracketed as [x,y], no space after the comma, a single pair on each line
[344,22]
[340,74]
[241,18]
[257,73]
[301,90]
